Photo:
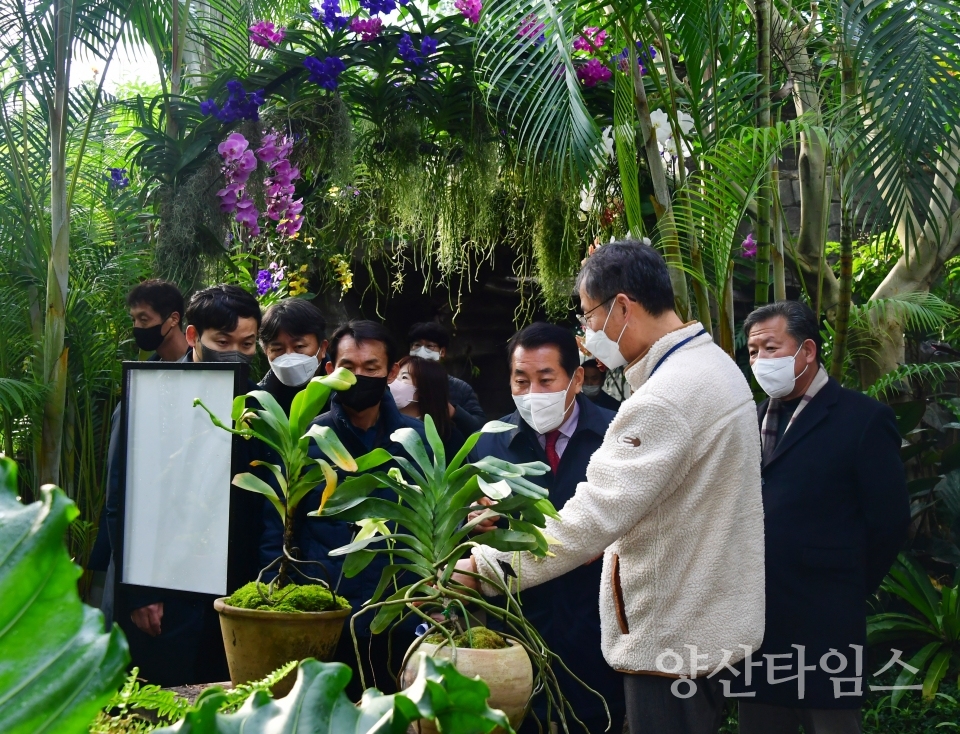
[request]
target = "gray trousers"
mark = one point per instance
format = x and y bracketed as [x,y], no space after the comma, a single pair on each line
[760,718]
[653,708]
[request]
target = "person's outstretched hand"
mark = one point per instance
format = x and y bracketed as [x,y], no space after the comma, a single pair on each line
[487,525]
[467,565]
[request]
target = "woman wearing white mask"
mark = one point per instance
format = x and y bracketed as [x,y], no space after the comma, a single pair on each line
[292,335]
[420,389]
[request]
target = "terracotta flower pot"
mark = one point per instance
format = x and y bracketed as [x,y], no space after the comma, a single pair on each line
[508,672]
[258,642]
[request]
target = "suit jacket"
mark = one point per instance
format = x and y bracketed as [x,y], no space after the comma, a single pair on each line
[566,610]
[836,513]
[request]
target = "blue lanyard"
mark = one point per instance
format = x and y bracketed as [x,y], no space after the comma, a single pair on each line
[674,348]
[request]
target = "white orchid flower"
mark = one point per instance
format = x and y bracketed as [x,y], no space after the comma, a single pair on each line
[686,122]
[607,140]
[586,199]
[661,124]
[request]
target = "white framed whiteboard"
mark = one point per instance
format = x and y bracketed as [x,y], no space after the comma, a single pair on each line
[176,476]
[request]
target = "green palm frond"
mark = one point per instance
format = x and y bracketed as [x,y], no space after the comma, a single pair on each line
[921,311]
[904,54]
[718,197]
[930,373]
[533,84]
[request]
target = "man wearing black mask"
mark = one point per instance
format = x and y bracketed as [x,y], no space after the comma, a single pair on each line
[156,308]
[174,637]
[223,321]
[363,417]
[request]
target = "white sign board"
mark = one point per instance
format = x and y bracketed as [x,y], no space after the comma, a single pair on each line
[178,471]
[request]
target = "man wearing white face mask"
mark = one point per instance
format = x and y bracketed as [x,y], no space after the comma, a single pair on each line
[558,425]
[293,336]
[671,498]
[836,513]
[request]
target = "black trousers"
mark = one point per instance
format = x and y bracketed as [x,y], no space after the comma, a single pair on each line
[660,705]
[761,718]
[188,650]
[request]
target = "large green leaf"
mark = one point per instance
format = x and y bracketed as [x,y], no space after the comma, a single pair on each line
[57,666]
[317,705]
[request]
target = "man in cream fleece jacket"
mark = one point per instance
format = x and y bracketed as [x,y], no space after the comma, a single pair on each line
[672,501]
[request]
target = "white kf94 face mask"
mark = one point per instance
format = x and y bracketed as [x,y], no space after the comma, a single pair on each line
[543,411]
[425,353]
[603,347]
[403,393]
[293,368]
[775,374]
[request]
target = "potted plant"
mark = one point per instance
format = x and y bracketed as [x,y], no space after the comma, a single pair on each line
[425,532]
[267,624]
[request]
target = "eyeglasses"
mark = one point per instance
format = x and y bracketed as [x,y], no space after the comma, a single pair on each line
[582,318]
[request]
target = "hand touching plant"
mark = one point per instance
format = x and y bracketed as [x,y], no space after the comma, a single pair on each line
[298,474]
[428,529]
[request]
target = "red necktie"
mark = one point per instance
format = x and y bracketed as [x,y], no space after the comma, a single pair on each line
[551,448]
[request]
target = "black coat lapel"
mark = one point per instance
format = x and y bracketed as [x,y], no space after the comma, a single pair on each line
[815,411]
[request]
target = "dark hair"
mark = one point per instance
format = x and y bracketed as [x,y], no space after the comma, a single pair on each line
[294,316]
[362,331]
[591,363]
[163,297]
[631,268]
[429,331]
[220,307]
[802,322]
[433,390]
[541,334]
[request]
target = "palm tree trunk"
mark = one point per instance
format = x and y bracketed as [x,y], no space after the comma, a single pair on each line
[776,253]
[54,323]
[842,326]
[727,341]
[670,237]
[764,195]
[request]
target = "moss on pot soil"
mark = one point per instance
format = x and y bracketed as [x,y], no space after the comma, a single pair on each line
[478,638]
[293,598]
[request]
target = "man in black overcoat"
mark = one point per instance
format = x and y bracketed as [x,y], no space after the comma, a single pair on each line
[836,513]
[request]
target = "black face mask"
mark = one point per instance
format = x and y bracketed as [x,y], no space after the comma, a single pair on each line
[365,394]
[150,338]
[208,354]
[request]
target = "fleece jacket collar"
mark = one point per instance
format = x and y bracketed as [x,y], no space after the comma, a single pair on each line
[639,372]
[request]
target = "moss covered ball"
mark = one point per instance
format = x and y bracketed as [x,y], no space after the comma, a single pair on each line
[476,638]
[291,598]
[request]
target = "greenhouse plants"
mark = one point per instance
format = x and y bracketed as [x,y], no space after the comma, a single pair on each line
[267,624]
[424,532]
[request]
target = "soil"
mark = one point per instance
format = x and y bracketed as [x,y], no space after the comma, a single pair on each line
[291,598]
[477,638]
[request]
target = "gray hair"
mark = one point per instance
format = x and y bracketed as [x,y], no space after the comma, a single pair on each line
[632,268]
[802,322]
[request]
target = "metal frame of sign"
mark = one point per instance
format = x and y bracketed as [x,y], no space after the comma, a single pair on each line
[234,570]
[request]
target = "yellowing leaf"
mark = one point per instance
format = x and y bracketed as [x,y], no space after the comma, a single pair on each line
[331,477]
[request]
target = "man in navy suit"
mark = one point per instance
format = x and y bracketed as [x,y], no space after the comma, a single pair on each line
[836,512]
[364,418]
[558,425]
